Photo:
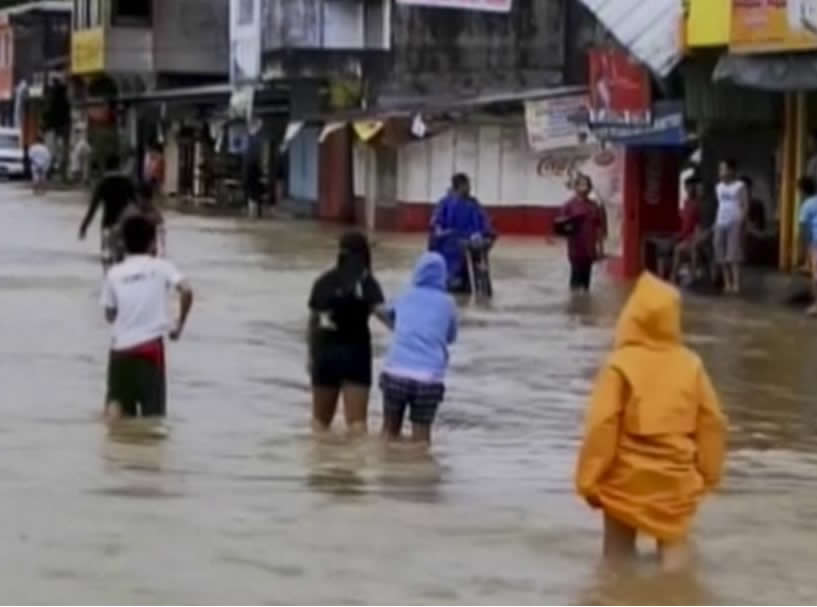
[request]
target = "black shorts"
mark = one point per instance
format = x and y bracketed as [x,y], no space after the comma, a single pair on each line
[581,273]
[422,398]
[336,365]
[137,384]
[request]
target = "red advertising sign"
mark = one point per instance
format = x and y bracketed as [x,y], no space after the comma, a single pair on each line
[619,89]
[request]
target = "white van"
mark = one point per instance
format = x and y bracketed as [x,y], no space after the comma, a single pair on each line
[12,156]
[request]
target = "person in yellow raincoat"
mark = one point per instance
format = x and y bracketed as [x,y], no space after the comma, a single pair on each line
[655,435]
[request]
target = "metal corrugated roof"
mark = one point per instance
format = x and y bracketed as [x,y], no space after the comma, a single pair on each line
[649,29]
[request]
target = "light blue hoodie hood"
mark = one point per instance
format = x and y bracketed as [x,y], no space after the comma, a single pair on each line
[430,272]
[425,323]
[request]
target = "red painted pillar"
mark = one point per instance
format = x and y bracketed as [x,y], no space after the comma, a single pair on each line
[628,265]
[335,199]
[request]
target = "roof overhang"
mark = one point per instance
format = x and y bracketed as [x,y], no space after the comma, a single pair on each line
[649,29]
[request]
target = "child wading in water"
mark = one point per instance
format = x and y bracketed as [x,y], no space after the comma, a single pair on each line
[135,298]
[654,442]
[424,319]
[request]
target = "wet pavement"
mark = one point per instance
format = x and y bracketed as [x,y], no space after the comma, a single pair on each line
[239,505]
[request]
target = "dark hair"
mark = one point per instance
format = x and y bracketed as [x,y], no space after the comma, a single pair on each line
[459,180]
[139,234]
[586,178]
[354,259]
[731,164]
[747,181]
[807,186]
[691,181]
[112,163]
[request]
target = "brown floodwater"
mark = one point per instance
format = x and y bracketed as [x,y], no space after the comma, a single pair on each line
[240,505]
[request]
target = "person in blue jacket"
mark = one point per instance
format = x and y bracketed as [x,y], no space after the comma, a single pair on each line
[424,320]
[459,221]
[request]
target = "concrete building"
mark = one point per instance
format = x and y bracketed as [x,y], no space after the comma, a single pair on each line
[144,72]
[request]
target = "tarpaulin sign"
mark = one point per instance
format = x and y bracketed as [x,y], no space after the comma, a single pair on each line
[619,89]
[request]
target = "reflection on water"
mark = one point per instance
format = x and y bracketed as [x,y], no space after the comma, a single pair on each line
[239,504]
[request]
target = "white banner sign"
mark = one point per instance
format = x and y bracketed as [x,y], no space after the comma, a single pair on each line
[549,122]
[497,6]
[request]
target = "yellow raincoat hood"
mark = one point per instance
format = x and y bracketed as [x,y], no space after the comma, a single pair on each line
[651,317]
[654,439]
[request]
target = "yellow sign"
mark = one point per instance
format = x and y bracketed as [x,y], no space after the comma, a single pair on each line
[760,26]
[708,23]
[88,51]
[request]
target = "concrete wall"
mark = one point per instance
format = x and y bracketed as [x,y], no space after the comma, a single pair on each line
[447,51]
[191,36]
[128,50]
[521,189]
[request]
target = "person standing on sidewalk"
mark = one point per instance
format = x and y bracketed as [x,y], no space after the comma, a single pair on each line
[733,205]
[40,157]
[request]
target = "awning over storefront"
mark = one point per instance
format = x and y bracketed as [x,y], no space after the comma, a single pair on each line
[649,29]
[775,72]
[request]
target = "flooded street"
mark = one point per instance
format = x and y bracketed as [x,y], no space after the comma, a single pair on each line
[239,505]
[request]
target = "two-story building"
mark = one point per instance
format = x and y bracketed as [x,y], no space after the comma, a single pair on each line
[150,72]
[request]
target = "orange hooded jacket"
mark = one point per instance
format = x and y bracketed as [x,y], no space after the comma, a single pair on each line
[655,434]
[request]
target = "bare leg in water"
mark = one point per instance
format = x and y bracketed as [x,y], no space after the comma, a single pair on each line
[356,408]
[674,555]
[619,540]
[324,405]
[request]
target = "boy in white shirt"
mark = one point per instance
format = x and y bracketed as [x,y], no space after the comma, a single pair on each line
[135,298]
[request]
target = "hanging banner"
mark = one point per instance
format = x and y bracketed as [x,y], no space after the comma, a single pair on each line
[245,41]
[549,122]
[619,89]
[367,129]
[496,6]
[773,25]
[293,128]
[330,128]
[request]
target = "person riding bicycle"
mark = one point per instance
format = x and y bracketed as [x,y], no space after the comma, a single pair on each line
[459,222]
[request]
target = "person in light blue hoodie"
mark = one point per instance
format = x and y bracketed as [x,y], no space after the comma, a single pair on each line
[424,320]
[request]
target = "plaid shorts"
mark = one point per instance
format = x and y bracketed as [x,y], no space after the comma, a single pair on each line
[422,398]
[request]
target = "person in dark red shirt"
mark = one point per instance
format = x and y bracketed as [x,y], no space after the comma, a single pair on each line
[582,221]
[689,238]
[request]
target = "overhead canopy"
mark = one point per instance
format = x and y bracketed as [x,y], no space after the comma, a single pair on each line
[649,29]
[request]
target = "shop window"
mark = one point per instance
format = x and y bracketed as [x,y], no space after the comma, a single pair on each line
[131,13]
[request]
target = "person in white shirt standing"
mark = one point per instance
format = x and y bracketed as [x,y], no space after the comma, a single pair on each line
[135,297]
[733,204]
[40,158]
